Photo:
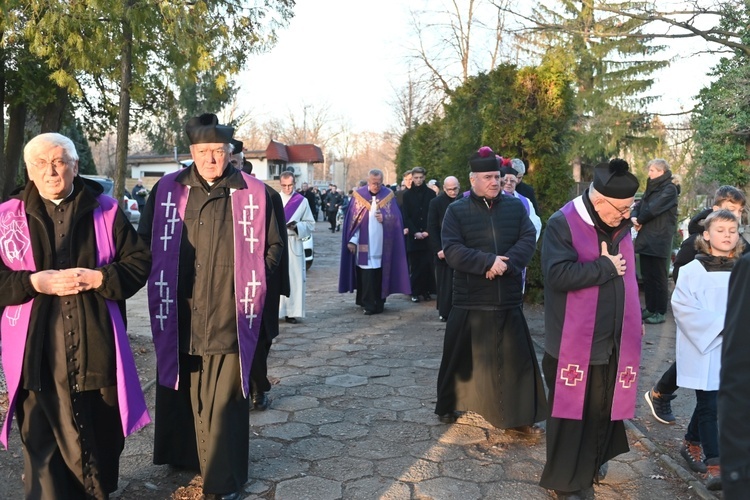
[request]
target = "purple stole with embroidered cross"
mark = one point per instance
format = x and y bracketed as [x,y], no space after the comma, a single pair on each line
[578,331]
[292,205]
[249,216]
[15,246]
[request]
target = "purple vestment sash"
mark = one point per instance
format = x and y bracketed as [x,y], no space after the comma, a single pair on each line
[249,216]
[15,243]
[578,331]
[292,205]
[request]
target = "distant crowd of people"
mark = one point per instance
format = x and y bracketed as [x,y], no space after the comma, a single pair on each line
[221,254]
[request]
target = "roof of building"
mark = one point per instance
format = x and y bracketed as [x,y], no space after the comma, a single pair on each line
[304,153]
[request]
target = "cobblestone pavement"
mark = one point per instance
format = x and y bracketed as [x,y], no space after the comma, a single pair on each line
[352,415]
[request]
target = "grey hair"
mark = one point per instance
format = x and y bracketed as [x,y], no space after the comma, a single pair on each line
[376,172]
[518,165]
[659,163]
[49,140]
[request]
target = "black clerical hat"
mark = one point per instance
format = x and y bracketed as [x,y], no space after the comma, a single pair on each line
[614,180]
[205,129]
[484,160]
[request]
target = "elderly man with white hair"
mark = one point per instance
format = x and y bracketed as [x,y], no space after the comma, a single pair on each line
[522,187]
[69,259]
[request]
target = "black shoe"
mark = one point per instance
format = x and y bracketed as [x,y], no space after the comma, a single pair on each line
[261,401]
[527,430]
[414,299]
[443,319]
[291,320]
[225,496]
[602,472]
[661,406]
[427,296]
[368,313]
[448,418]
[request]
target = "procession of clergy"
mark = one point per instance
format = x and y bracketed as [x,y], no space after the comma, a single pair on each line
[70,260]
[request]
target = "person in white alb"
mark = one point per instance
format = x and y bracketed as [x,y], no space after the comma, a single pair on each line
[300,225]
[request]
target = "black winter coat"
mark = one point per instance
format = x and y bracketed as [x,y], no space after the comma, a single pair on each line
[416,205]
[435,215]
[657,213]
[205,298]
[128,273]
[475,231]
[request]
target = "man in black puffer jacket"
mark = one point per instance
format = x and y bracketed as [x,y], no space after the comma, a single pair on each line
[489,365]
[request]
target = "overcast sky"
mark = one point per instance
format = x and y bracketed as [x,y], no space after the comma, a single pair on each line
[349,55]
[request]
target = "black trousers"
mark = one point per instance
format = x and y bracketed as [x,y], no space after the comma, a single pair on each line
[204,424]
[259,369]
[420,272]
[655,277]
[444,287]
[332,219]
[369,289]
[71,440]
[667,384]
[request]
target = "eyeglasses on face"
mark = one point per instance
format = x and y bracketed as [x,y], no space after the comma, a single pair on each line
[57,164]
[623,211]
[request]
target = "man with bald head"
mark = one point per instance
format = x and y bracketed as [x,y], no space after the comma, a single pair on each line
[443,273]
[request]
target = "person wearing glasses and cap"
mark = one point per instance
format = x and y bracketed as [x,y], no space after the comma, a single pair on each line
[214,242]
[593,331]
[69,259]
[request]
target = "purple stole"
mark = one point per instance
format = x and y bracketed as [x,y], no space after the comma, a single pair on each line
[14,324]
[249,216]
[361,218]
[524,200]
[578,331]
[292,205]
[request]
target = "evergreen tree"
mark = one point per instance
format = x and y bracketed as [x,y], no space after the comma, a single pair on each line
[610,61]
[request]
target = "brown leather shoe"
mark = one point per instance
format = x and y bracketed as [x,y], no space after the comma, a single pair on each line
[528,430]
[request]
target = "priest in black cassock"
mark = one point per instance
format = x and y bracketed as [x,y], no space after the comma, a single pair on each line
[593,331]
[489,365]
[215,245]
[443,272]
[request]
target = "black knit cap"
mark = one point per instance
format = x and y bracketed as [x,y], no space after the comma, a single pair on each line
[614,180]
[508,171]
[484,160]
[205,129]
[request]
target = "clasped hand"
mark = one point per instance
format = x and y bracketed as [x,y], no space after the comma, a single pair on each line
[67,281]
[498,267]
[617,260]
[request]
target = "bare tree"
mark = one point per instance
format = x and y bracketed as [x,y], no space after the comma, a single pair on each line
[458,40]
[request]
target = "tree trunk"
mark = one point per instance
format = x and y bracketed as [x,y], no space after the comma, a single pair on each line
[123,118]
[14,146]
[52,113]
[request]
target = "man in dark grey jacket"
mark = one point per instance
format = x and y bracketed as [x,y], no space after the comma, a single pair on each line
[489,365]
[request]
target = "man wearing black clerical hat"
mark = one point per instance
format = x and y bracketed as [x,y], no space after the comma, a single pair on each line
[213,240]
[592,331]
[488,364]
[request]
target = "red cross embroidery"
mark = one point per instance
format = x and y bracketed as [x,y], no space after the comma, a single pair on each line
[627,377]
[572,375]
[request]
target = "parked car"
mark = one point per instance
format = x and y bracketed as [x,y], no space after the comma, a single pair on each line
[128,204]
[307,244]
